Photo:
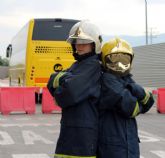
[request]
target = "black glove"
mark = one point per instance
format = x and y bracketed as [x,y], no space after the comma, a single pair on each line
[50,84]
[57,79]
[136,90]
[148,104]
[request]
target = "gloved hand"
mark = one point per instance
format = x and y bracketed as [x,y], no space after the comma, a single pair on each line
[136,90]
[56,81]
[147,102]
[144,98]
[50,84]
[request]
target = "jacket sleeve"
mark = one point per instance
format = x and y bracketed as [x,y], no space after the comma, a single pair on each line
[55,81]
[50,84]
[147,102]
[116,97]
[77,86]
[145,98]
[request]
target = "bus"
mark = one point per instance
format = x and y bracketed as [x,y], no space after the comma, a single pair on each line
[39,49]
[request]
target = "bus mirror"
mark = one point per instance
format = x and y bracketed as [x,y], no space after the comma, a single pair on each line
[9,51]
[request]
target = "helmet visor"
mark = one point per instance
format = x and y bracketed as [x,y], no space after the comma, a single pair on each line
[79,41]
[118,62]
[118,57]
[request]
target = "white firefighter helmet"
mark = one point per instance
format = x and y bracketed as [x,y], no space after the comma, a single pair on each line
[85,32]
[117,56]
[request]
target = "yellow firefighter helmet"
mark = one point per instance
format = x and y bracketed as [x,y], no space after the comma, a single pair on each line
[117,56]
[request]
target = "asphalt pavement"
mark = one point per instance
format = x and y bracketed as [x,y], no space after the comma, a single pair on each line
[35,136]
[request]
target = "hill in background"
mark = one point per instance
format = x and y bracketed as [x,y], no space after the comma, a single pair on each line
[138,40]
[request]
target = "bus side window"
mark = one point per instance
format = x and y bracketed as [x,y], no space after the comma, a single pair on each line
[9,51]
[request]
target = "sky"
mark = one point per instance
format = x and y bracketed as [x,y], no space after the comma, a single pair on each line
[113,17]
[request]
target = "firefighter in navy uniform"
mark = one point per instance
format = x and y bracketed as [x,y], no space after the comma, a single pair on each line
[77,92]
[121,101]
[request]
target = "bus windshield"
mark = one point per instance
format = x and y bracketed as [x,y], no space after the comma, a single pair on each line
[50,30]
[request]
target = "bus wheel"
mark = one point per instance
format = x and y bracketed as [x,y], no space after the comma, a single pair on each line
[38,98]
[19,81]
[10,81]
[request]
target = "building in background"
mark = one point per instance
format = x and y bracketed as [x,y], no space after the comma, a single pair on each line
[149,65]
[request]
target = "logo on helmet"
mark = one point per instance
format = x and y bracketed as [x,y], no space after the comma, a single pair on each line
[77,32]
[119,44]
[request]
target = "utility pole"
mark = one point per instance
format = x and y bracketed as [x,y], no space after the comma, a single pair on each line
[153,34]
[146,23]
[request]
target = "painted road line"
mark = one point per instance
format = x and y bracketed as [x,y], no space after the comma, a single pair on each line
[23,119]
[5,138]
[30,137]
[30,156]
[3,119]
[54,131]
[27,124]
[148,137]
[159,153]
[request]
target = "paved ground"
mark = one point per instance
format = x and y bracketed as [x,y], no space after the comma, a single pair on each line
[152,134]
[35,136]
[28,136]
[4,83]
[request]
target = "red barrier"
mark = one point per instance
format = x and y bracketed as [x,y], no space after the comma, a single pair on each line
[155,95]
[17,99]
[155,92]
[48,102]
[161,100]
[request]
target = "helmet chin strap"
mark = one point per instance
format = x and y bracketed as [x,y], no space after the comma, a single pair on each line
[83,56]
